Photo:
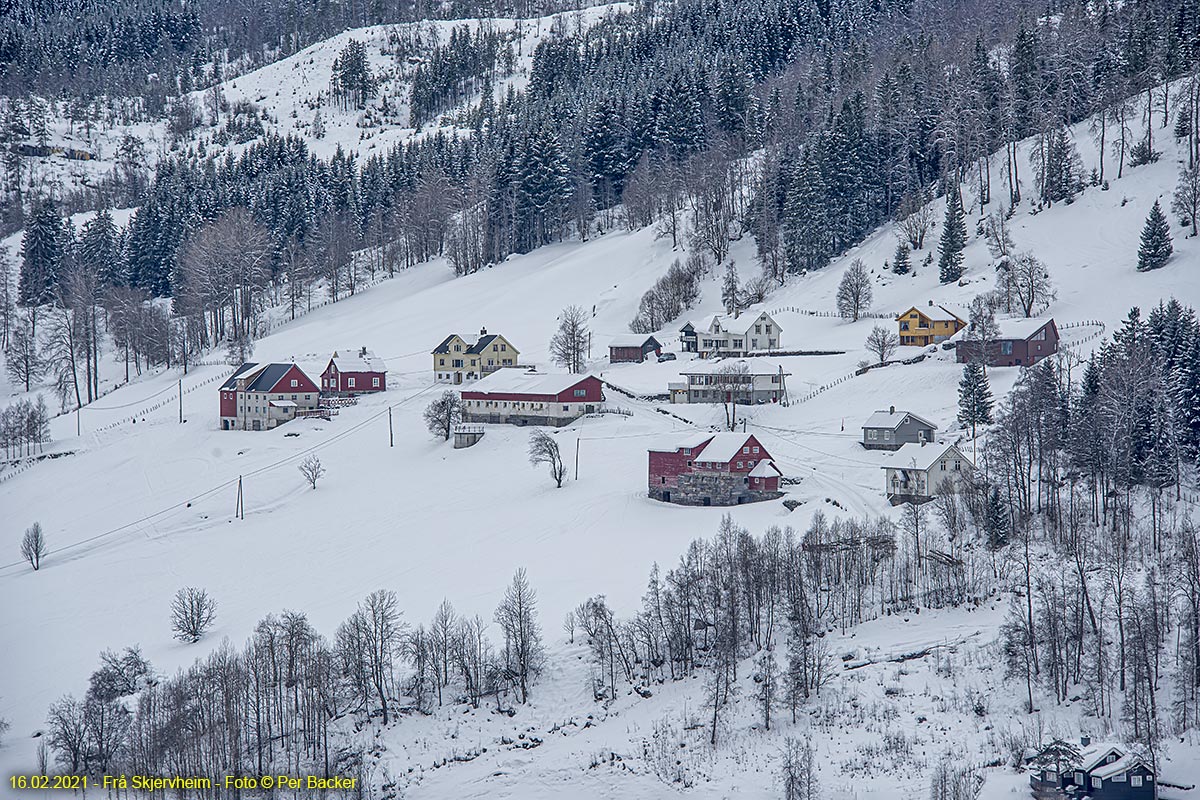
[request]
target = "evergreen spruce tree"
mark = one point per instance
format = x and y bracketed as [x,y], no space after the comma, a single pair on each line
[974,397]
[1156,247]
[729,289]
[954,239]
[901,263]
[995,520]
[42,253]
[98,250]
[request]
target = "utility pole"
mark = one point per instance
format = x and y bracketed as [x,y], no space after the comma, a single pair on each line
[239,510]
[77,428]
[577,458]
[391,437]
[181,400]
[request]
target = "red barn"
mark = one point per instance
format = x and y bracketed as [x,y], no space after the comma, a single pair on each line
[521,397]
[263,396]
[633,348]
[354,372]
[713,469]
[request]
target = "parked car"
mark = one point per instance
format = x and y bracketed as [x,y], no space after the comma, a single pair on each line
[666,357]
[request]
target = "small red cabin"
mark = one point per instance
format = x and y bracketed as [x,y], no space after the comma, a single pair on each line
[354,372]
[1019,343]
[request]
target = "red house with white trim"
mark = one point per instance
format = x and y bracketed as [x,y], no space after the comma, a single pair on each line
[713,469]
[354,372]
[263,396]
[520,397]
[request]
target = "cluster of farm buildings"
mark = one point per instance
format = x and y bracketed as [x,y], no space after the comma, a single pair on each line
[703,468]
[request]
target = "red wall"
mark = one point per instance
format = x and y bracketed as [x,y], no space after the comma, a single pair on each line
[592,385]
[228,403]
[668,465]
[285,383]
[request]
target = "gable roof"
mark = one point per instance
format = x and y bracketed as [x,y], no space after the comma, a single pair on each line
[1125,763]
[1020,328]
[688,442]
[893,419]
[476,344]
[517,381]
[357,360]
[935,313]
[231,381]
[633,340]
[765,469]
[920,457]
[723,447]
[738,325]
[268,377]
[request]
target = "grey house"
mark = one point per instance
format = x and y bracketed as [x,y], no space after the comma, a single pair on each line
[891,429]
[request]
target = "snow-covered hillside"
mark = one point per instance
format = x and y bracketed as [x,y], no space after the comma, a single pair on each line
[288,95]
[145,505]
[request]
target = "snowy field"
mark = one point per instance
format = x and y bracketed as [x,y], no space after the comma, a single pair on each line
[143,508]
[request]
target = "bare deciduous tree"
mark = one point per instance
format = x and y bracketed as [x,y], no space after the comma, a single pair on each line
[569,346]
[733,382]
[192,614]
[854,292]
[1030,283]
[33,545]
[916,218]
[882,343]
[543,449]
[312,470]
[524,655]
[443,414]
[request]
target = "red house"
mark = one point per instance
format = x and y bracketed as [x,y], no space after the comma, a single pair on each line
[713,469]
[263,396]
[521,397]
[1019,343]
[354,373]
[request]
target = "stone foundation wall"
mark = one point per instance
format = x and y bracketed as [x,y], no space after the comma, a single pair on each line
[694,489]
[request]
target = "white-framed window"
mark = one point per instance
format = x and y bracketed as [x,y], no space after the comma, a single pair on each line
[375,382]
[1135,781]
[755,451]
[350,382]
[741,465]
[1097,782]
[581,392]
[1079,778]
[1120,778]
[746,450]
[872,434]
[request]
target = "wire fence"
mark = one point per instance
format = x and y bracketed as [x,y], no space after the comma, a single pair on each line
[812,312]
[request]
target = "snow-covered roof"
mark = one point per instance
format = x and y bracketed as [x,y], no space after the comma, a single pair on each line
[938,313]
[765,469]
[358,359]
[518,381]
[892,419]
[723,447]
[755,366]
[673,444]
[1123,764]
[920,456]
[741,324]
[1019,328]
[631,340]
[1094,754]
[283,403]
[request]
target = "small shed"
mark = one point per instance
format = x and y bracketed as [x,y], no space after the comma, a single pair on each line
[632,348]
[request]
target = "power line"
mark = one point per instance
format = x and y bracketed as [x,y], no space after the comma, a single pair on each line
[258,471]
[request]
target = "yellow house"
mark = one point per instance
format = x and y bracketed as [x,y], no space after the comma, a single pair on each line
[467,358]
[929,325]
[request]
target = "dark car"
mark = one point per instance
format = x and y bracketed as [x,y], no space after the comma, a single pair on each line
[666,357]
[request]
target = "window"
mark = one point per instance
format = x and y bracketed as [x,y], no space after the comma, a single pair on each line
[943,466]
[1006,348]
[441,362]
[1040,336]
[768,329]
[566,408]
[458,348]
[495,349]
[872,434]
[1135,781]
[1097,782]
[1121,778]
[754,343]
[746,450]
[758,328]
[503,348]
[663,479]
[741,465]
[1111,758]
[580,392]
[1079,778]
[375,382]
[350,382]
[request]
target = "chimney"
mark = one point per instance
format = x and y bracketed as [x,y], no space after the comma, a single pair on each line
[483,331]
[362,353]
[891,409]
[1085,740]
[931,304]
